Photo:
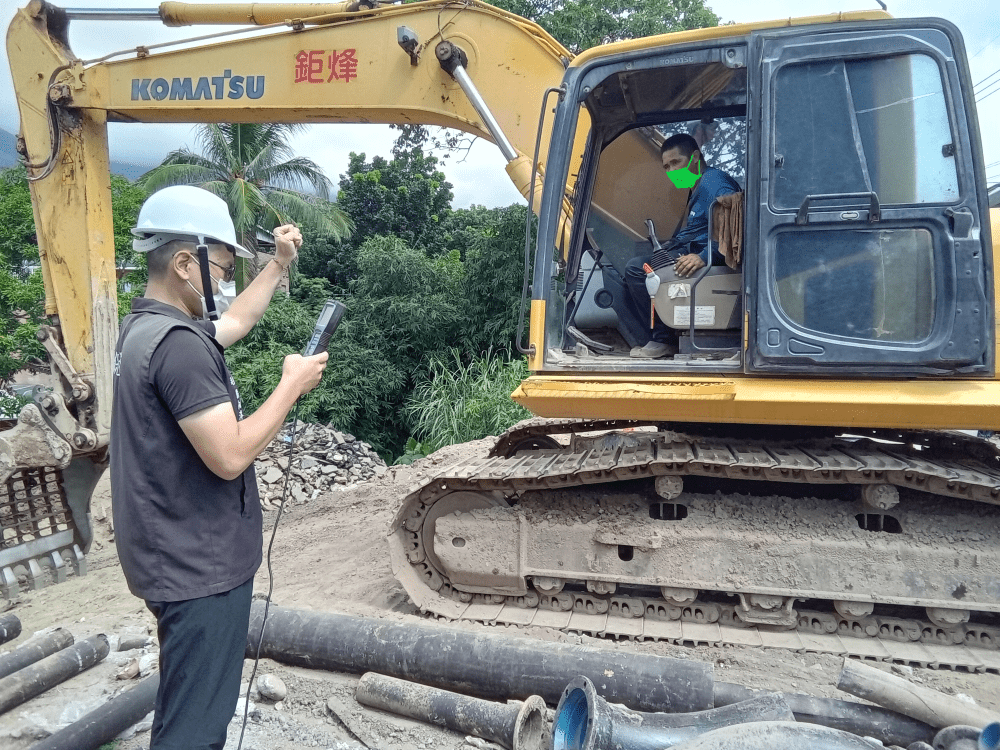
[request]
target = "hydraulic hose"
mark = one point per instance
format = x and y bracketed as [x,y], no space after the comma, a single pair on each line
[776,735]
[889,727]
[485,666]
[585,721]
[516,727]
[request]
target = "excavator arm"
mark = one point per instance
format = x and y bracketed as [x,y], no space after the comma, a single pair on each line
[437,62]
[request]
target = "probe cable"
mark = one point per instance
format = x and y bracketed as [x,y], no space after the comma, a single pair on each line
[270,573]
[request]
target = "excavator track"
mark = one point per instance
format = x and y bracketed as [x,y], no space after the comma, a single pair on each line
[486,539]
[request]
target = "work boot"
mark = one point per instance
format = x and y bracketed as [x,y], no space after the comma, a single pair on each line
[652,350]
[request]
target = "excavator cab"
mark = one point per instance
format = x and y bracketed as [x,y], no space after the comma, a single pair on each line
[863,244]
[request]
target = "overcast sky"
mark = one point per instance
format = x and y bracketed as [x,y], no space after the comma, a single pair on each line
[480,178]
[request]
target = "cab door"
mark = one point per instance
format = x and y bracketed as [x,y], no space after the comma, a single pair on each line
[869,245]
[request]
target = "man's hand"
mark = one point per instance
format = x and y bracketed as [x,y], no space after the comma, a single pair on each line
[304,373]
[287,241]
[688,264]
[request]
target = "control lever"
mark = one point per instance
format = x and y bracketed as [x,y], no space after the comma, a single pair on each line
[652,236]
[663,255]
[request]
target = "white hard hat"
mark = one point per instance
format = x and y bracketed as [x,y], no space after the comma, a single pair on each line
[184,212]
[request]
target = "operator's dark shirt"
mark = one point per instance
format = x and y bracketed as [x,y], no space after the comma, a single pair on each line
[713,183]
[182,532]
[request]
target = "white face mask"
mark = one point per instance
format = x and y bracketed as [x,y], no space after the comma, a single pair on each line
[204,309]
[225,296]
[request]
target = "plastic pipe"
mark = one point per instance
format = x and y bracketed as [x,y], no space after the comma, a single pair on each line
[10,627]
[887,726]
[483,665]
[776,735]
[35,650]
[957,737]
[516,727]
[585,721]
[36,678]
[990,737]
[895,693]
[103,724]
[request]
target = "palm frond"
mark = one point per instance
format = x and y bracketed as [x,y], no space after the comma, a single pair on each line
[298,173]
[166,175]
[323,216]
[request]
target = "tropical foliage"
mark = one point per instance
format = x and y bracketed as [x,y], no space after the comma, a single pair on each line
[456,401]
[253,168]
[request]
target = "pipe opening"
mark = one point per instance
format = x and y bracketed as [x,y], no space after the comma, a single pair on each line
[990,738]
[668,511]
[879,522]
[529,728]
[569,731]
[626,552]
[458,542]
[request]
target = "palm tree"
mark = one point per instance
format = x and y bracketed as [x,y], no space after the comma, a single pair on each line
[252,167]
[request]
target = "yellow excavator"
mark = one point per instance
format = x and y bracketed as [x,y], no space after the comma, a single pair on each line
[798,474]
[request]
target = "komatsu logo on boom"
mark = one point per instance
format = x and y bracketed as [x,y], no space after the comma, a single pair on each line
[207,87]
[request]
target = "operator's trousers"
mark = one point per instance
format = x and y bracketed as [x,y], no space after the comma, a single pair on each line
[202,644]
[635,280]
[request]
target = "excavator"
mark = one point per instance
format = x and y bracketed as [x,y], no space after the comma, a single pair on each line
[802,473]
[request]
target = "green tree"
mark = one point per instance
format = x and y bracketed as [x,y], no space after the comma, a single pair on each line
[21,291]
[582,24]
[252,167]
[491,284]
[405,197]
[579,25]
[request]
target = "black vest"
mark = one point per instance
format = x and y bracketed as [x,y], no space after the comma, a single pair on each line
[182,531]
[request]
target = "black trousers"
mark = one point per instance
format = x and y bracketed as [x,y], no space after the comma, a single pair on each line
[635,278]
[202,643]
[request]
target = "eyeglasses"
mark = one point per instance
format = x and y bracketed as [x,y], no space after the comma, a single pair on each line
[228,272]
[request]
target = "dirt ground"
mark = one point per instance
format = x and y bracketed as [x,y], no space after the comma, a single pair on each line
[331,555]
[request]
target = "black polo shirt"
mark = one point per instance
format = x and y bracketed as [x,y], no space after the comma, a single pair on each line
[182,531]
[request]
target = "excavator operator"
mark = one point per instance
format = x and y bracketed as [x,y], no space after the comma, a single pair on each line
[184,492]
[685,165]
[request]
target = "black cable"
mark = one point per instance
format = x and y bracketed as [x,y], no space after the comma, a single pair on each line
[270,573]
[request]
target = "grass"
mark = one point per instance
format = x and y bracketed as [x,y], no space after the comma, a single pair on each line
[458,402]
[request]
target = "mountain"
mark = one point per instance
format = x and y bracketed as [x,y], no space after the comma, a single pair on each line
[9,157]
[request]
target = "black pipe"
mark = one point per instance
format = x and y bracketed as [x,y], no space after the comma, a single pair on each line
[103,724]
[776,735]
[10,627]
[36,678]
[585,721]
[486,666]
[957,737]
[889,727]
[516,727]
[35,650]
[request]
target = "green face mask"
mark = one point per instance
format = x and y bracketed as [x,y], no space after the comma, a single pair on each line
[683,177]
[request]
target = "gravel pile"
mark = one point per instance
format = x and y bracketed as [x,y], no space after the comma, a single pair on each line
[323,458]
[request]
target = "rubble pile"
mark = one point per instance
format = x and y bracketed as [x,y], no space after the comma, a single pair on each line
[323,458]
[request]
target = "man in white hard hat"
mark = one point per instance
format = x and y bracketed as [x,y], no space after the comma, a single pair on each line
[186,509]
